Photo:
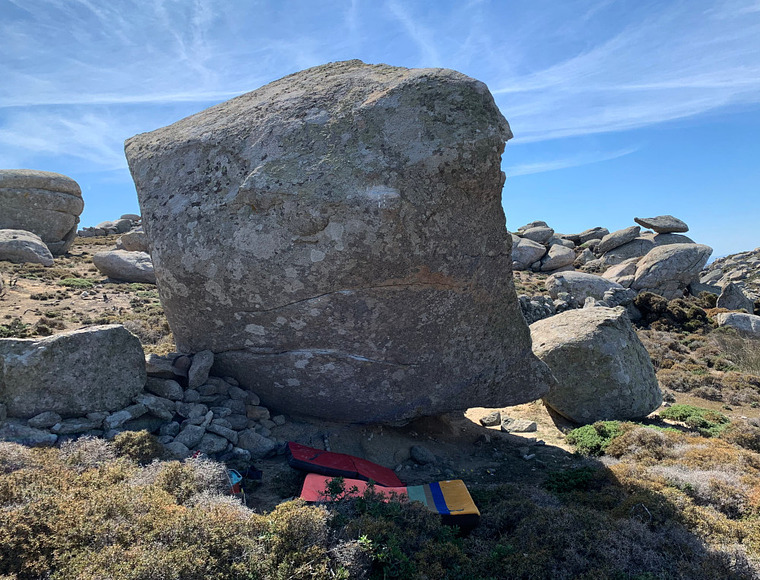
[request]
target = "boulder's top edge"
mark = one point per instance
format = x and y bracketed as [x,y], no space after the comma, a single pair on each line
[298,92]
[36,179]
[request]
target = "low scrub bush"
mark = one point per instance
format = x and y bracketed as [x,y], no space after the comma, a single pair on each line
[78,283]
[707,422]
[594,439]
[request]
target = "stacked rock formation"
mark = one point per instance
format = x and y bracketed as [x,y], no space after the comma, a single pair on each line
[41,403]
[663,262]
[341,231]
[43,203]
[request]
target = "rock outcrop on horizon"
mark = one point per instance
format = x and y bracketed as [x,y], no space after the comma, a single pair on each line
[337,239]
[742,269]
[44,203]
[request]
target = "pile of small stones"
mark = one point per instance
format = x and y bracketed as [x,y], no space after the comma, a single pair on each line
[188,410]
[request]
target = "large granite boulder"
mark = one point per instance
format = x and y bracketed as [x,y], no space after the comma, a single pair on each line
[125,266]
[20,247]
[668,270]
[44,203]
[99,368]
[602,369]
[337,239]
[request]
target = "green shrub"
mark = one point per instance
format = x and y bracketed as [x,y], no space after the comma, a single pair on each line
[594,439]
[708,423]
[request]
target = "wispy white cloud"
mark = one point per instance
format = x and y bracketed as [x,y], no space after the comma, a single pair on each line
[557,70]
[566,162]
[676,62]
[422,36]
[91,137]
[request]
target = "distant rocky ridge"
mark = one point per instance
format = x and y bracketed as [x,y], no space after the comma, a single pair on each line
[742,269]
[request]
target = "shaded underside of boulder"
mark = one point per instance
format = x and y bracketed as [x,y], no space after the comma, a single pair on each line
[99,368]
[602,369]
[44,203]
[341,232]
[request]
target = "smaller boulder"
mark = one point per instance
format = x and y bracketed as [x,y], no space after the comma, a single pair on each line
[622,273]
[525,252]
[668,270]
[135,241]
[733,298]
[602,369]
[617,239]
[20,247]
[198,373]
[590,234]
[509,425]
[491,420]
[579,285]
[558,257]
[746,324]
[17,433]
[540,234]
[663,224]
[44,420]
[125,266]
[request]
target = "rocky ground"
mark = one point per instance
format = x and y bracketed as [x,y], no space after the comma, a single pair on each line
[698,366]
[39,301]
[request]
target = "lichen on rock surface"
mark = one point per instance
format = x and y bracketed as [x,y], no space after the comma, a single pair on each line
[337,239]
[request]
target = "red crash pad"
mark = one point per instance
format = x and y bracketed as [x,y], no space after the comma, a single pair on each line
[339,465]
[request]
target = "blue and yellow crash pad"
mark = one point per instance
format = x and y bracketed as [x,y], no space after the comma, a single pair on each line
[449,498]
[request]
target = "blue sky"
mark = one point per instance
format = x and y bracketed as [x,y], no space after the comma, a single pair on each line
[619,108]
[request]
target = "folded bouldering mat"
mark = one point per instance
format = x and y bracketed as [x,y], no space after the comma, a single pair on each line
[339,465]
[451,498]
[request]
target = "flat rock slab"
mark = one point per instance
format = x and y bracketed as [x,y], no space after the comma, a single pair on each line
[125,266]
[44,203]
[337,239]
[99,368]
[663,224]
[21,247]
[603,370]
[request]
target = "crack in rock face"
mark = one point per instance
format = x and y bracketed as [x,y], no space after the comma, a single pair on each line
[337,239]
